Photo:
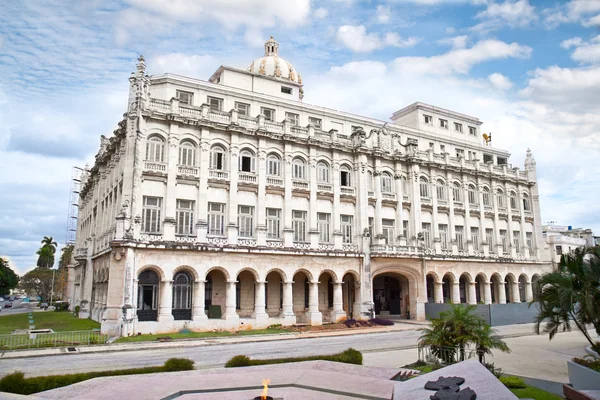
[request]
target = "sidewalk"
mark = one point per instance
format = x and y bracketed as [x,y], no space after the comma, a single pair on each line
[504,331]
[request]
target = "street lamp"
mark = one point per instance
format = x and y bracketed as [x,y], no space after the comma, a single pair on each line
[52,287]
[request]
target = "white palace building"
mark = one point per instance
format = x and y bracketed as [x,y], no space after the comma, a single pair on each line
[230,203]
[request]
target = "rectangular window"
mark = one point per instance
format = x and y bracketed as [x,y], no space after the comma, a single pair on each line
[460,153]
[428,119]
[246,221]
[299,225]
[151,217]
[475,238]
[323,222]
[472,131]
[273,223]
[268,113]
[184,97]
[489,238]
[431,145]
[345,178]
[472,155]
[503,241]
[529,239]
[458,127]
[215,103]
[502,160]
[346,222]
[559,250]
[488,158]
[286,90]
[517,240]
[242,108]
[426,228]
[316,122]
[293,118]
[460,239]
[216,219]
[405,229]
[443,228]
[388,231]
[443,123]
[442,148]
[184,217]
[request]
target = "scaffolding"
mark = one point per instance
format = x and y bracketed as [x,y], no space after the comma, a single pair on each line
[73,205]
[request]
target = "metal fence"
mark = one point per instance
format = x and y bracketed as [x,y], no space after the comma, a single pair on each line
[56,339]
[448,355]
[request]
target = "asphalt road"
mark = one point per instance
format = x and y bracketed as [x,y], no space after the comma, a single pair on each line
[18,307]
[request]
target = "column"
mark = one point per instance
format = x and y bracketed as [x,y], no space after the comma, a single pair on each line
[314,315]
[451,232]
[288,231]
[438,294]
[511,243]
[230,300]
[377,226]
[516,294]
[399,199]
[467,228]
[198,304]
[415,203]
[501,293]
[232,206]
[288,306]
[487,292]
[313,232]
[435,234]
[134,297]
[165,307]
[204,169]
[338,313]
[528,292]
[335,217]
[472,293]
[455,293]
[171,158]
[260,312]
[261,228]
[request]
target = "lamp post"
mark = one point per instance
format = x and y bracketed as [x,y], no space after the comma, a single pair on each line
[52,287]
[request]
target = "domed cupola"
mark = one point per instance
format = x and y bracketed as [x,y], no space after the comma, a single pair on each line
[271,65]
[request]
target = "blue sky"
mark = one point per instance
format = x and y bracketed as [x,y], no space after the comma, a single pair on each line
[530,69]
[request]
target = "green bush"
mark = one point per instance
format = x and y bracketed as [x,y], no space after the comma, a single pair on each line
[16,383]
[497,372]
[512,382]
[61,306]
[348,356]
[179,364]
[589,362]
[238,361]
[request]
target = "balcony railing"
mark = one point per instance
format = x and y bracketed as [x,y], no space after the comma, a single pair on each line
[388,196]
[155,166]
[273,126]
[274,181]
[324,187]
[425,200]
[219,116]
[247,177]
[218,174]
[347,190]
[300,184]
[371,193]
[391,249]
[502,210]
[247,122]
[187,170]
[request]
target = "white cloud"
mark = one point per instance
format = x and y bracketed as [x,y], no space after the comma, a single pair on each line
[321,13]
[195,66]
[358,40]
[500,81]
[460,61]
[512,13]
[457,42]
[566,44]
[585,52]
[383,14]
[594,21]
[571,12]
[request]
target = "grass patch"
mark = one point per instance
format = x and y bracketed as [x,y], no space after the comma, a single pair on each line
[199,335]
[57,321]
[17,383]
[531,392]
[349,356]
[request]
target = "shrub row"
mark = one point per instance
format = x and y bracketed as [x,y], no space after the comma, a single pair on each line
[591,363]
[352,323]
[512,382]
[17,383]
[349,356]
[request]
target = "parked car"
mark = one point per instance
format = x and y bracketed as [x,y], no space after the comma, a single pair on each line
[44,306]
[8,305]
[1,298]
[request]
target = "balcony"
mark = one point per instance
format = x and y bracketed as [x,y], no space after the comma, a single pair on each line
[274,181]
[324,187]
[188,170]
[515,212]
[300,184]
[246,177]
[218,174]
[388,196]
[81,252]
[347,190]
[273,126]
[488,208]
[425,200]
[371,193]
[395,250]
[502,210]
[155,166]
[247,122]
[459,204]
[219,117]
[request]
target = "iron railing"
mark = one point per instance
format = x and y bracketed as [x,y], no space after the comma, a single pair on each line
[449,355]
[56,339]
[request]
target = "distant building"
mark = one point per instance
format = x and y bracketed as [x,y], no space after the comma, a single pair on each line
[231,203]
[562,239]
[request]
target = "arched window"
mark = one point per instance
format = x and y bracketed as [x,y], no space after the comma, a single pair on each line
[424,187]
[500,200]
[298,169]
[513,201]
[386,183]
[208,288]
[440,188]
[472,193]
[247,161]
[182,296]
[273,165]
[217,158]
[526,202]
[147,307]
[456,192]
[345,176]
[487,201]
[187,153]
[155,149]
[322,172]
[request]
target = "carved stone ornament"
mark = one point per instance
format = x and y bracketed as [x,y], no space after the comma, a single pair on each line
[449,389]
[366,233]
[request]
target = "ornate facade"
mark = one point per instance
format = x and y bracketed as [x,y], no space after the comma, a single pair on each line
[231,203]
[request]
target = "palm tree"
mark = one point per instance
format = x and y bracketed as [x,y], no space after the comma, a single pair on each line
[48,241]
[45,257]
[456,329]
[571,294]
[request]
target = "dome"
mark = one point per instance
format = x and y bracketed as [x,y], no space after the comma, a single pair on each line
[274,66]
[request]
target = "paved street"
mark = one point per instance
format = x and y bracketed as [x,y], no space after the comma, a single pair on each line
[531,356]
[18,307]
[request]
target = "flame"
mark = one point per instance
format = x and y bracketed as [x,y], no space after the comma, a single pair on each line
[265,383]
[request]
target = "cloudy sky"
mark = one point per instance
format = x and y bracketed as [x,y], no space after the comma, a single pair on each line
[530,69]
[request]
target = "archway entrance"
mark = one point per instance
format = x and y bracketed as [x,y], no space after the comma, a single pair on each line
[390,295]
[147,307]
[430,288]
[215,294]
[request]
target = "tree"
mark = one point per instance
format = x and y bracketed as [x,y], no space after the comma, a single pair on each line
[38,281]
[62,275]
[45,257]
[48,241]
[455,330]
[571,295]
[8,278]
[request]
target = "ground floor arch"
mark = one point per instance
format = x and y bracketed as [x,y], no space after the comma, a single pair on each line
[391,294]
